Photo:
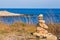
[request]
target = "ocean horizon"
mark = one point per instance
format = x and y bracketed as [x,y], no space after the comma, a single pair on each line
[52,15]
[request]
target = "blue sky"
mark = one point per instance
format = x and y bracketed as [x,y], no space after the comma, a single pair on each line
[29,3]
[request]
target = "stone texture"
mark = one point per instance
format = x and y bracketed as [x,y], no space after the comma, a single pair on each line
[41,30]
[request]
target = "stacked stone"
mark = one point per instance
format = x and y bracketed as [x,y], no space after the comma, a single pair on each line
[42,22]
[42,29]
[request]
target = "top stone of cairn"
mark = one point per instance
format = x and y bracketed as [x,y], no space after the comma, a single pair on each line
[40,17]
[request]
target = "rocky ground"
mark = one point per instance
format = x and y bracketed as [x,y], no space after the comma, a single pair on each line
[23,36]
[15,36]
[21,31]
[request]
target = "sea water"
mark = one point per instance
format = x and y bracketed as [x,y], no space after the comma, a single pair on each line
[50,15]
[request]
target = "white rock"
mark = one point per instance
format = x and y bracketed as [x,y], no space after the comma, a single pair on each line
[51,37]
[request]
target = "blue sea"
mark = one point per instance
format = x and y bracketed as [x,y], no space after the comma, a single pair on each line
[50,15]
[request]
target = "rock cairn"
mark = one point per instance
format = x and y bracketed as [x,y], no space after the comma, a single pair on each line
[42,27]
[42,30]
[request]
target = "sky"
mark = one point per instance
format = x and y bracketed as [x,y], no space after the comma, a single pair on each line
[29,3]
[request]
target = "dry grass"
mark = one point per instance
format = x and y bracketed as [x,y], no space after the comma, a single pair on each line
[53,28]
[20,26]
